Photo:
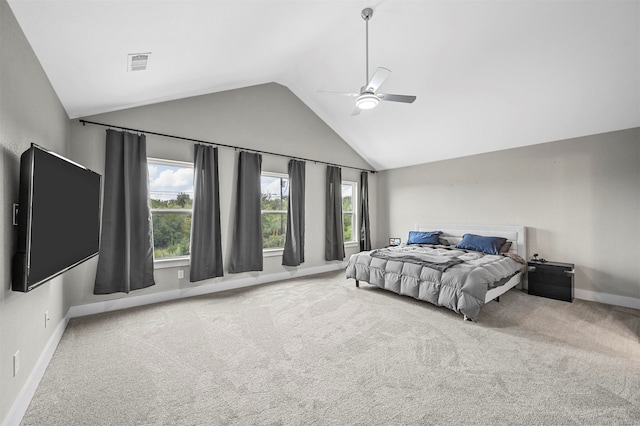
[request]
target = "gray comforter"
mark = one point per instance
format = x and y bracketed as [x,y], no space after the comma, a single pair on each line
[416,271]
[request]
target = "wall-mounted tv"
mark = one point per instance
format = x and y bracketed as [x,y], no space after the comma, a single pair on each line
[58,217]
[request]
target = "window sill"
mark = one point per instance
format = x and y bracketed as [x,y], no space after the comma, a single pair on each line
[352,244]
[272,252]
[171,263]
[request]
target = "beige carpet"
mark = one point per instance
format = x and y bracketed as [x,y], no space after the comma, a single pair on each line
[320,351]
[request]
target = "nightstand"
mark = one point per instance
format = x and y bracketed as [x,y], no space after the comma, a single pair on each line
[551,279]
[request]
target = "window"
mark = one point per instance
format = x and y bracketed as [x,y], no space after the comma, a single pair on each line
[274,201]
[349,223]
[171,193]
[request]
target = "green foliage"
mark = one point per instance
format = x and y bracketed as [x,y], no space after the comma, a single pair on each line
[268,202]
[274,229]
[347,225]
[182,201]
[347,204]
[171,234]
[171,231]
[347,214]
[274,218]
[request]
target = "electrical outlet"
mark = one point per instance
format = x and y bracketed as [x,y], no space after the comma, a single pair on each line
[46,318]
[16,363]
[15,215]
[180,274]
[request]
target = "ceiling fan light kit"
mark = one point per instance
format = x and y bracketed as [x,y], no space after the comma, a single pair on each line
[367,101]
[368,98]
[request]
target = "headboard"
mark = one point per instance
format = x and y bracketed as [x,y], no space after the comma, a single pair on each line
[453,234]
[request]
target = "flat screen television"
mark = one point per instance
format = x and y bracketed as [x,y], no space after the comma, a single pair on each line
[58,217]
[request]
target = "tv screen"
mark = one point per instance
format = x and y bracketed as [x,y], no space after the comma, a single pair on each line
[58,217]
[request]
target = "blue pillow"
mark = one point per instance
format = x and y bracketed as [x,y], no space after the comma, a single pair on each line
[417,237]
[489,245]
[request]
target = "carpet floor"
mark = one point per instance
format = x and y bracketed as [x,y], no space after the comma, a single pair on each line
[319,351]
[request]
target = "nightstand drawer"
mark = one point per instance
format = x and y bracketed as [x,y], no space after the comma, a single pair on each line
[551,291]
[551,279]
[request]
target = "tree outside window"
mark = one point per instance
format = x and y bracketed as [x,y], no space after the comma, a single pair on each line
[349,223]
[171,199]
[274,200]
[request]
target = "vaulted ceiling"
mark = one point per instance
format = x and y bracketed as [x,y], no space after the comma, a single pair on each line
[488,75]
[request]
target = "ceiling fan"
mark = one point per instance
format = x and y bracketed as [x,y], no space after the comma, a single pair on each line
[368,97]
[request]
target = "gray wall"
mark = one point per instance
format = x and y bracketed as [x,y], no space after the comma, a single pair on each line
[266,117]
[29,112]
[579,198]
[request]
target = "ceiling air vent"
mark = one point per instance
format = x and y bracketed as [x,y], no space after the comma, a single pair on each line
[137,61]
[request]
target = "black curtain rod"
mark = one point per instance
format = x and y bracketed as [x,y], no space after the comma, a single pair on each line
[84,122]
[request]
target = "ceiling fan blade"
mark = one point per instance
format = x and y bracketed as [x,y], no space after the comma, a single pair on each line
[339,93]
[396,98]
[378,78]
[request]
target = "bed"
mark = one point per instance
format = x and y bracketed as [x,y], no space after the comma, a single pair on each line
[459,267]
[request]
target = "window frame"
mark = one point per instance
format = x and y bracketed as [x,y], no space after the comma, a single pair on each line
[273,251]
[168,262]
[354,213]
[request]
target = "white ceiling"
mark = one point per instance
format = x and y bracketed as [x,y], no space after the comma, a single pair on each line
[488,75]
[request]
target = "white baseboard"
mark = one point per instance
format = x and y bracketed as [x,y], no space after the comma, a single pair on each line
[198,290]
[19,408]
[607,298]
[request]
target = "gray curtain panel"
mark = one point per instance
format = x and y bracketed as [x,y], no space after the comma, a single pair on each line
[365,233]
[126,249]
[293,254]
[334,237]
[206,243]
[246,252]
